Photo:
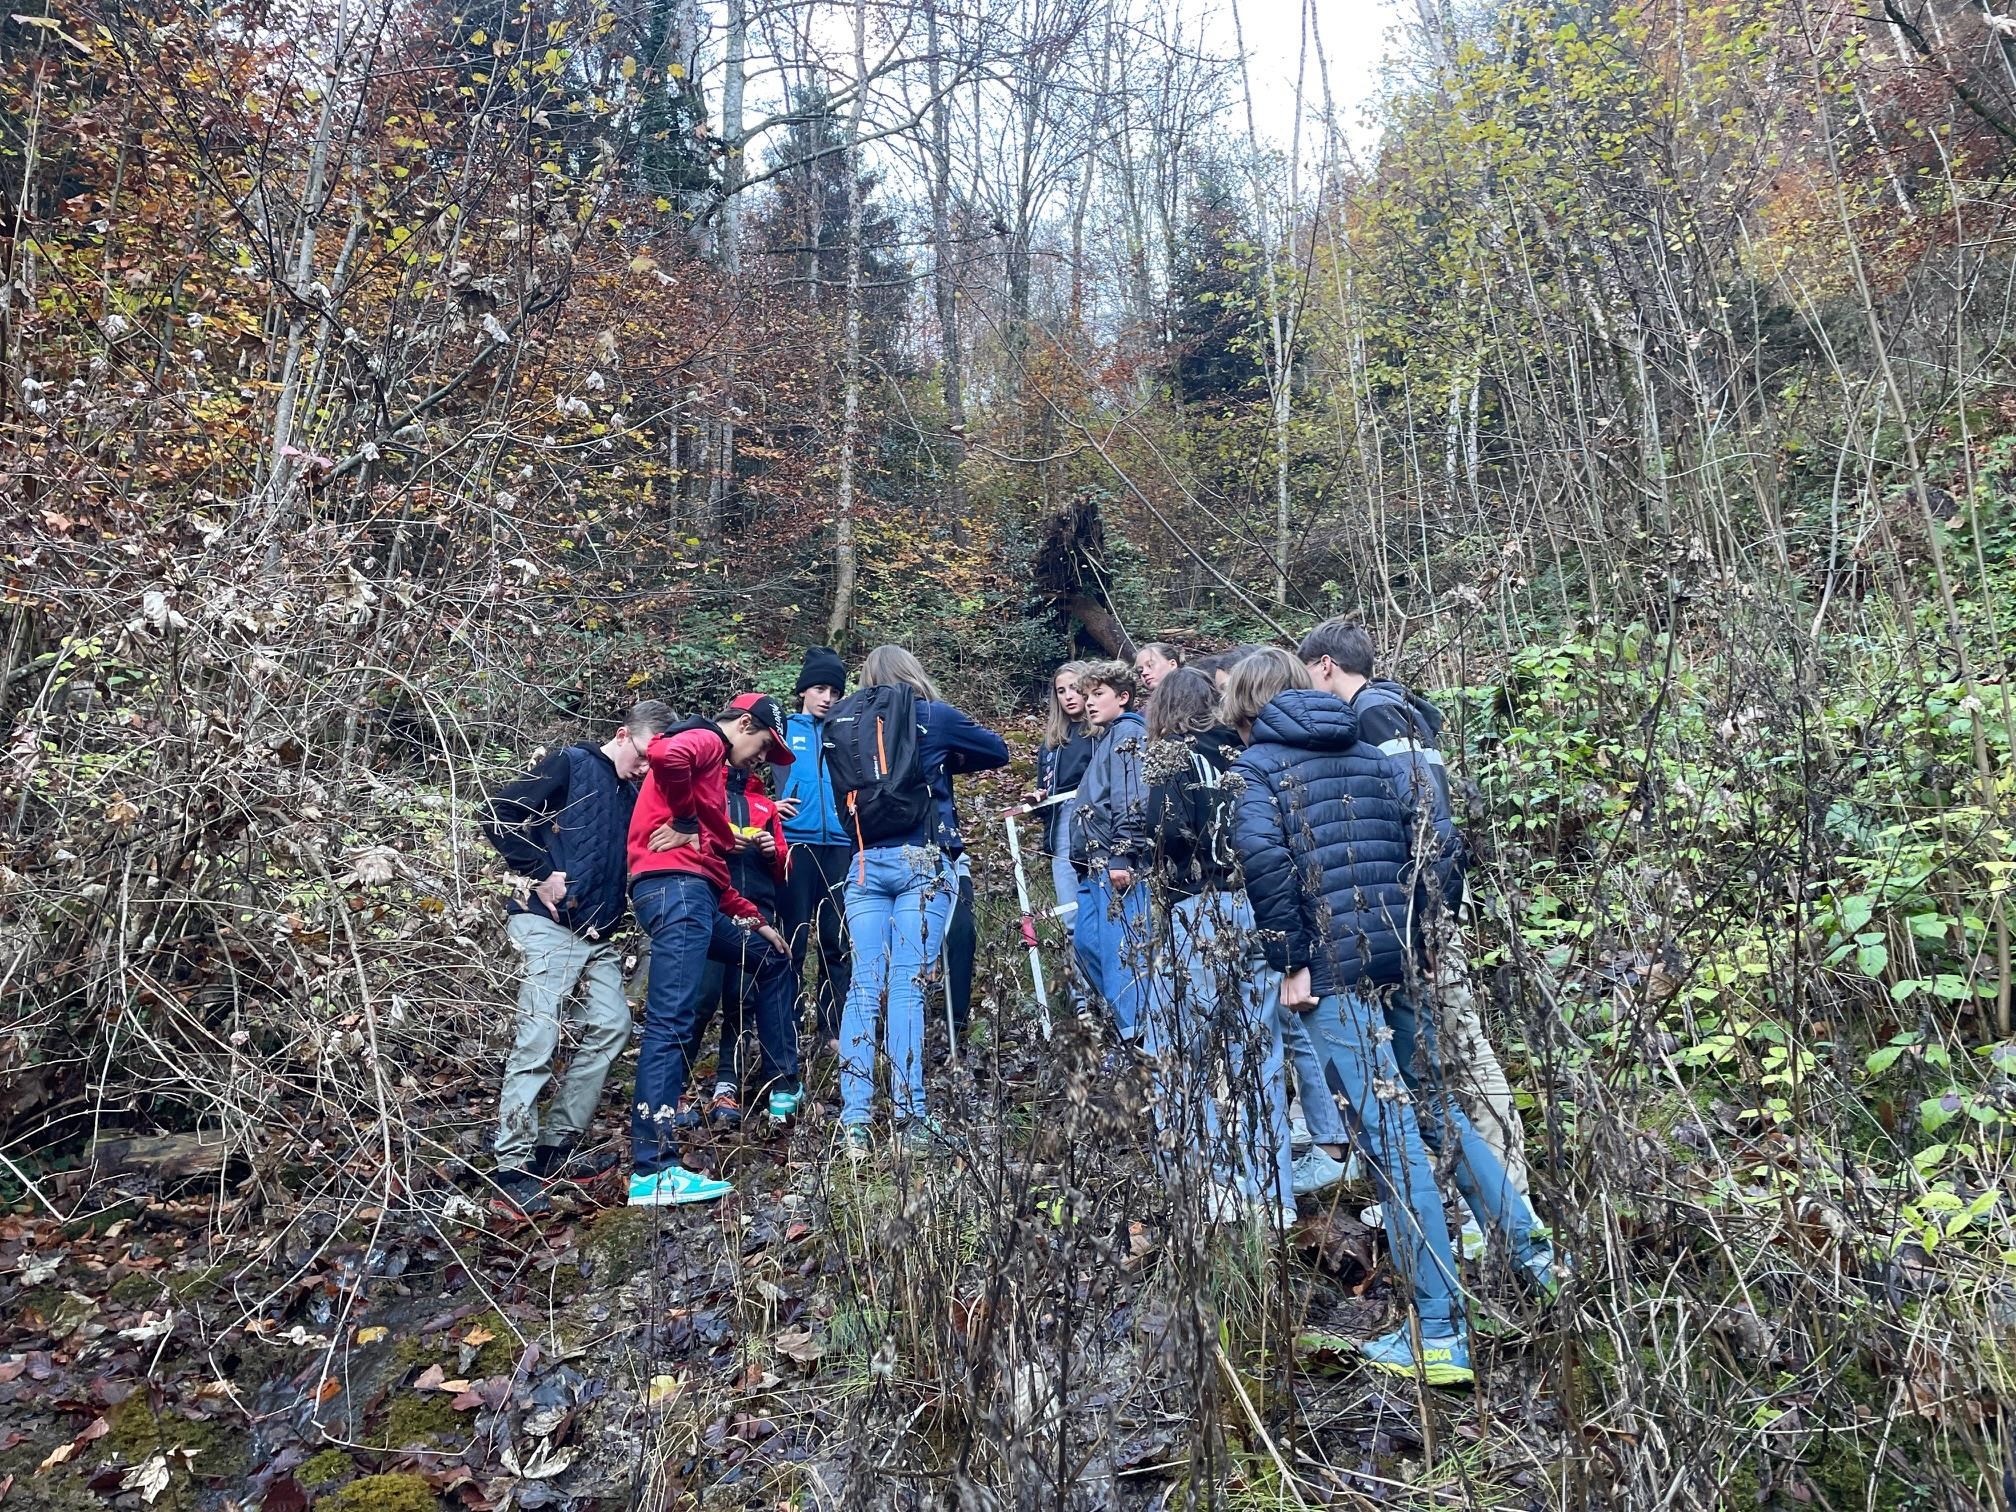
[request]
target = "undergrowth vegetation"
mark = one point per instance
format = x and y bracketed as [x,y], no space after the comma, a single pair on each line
[390,395]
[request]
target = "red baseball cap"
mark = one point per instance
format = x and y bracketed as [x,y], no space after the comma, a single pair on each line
[763,710]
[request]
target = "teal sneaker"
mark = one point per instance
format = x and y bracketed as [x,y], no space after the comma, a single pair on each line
[1445,1358]
[675,1186]
[784,1106]
[856,1142]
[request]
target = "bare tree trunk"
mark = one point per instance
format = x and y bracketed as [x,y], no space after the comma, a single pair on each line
[281,477]
[721,478]
[1281,316]
[945,285]
[844,565]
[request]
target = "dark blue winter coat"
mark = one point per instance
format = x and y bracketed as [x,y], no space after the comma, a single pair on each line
[1407,727]
[1323,828]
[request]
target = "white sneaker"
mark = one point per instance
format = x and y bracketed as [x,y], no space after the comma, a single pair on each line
[1315,1169]
[1471,1244]
[1224,1204]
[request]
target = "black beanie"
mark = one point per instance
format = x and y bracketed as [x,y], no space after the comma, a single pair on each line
[823,669]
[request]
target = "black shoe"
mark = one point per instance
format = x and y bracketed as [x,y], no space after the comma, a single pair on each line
[565,1163]
[519,1194]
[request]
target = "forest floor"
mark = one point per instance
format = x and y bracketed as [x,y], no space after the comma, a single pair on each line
[325,1309]
[169,1348]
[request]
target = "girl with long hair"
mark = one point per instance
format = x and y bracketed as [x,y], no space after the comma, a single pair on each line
[900,895]
[1060,761]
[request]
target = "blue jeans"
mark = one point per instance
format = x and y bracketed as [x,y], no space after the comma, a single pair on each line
[1346,1028]
[899,900]
[1211,1027]
[682,914]
[1319,1104]
[744,1007]
[1109,934]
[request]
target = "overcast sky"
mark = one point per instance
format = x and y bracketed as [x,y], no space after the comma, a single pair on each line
[1354,34]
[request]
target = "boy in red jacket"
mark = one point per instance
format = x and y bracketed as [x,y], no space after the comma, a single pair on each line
[758,870]
[686,902]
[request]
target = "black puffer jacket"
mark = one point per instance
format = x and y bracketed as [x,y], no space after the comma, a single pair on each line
[1190,812]
[1322,827]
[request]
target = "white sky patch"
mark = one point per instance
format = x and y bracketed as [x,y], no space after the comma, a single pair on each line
[1356,37]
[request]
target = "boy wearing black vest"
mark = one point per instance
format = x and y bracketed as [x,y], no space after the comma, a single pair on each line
[565,827]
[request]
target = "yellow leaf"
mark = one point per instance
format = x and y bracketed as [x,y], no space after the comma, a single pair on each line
[629,68]
[478,37]
[478,1336]
[642,263]
[676,70]
[370,1335]
[663,1389]
[62,1452]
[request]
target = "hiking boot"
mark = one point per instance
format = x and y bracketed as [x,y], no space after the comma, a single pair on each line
[519,1194]
[1316,1169]
[675,1186]
[725,1111]
[856,1142]
[561,1162]
[784,1105]
[1444,1361]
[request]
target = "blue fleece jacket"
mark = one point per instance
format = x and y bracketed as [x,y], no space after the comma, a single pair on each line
[817,821]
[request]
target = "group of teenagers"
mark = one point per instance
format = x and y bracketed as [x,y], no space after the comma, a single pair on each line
[1259,861]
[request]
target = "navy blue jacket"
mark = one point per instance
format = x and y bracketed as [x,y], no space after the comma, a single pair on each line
[571,813]
[817,821]
[1407,727]
[1059,769]
[948,743]
[1324,830]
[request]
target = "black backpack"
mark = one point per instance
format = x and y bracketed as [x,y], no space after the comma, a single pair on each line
[876,766]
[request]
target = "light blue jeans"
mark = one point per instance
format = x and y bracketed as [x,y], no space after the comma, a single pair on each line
[1110,936]
[1347,1029]
[1319,1105]
[899,900]
[1211,1028]
[1063,875]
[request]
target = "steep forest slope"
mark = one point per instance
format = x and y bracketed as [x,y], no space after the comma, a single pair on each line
[390,391]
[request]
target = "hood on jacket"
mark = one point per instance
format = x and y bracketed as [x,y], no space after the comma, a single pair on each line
[1219,743]
[1426,712]
[1307,720]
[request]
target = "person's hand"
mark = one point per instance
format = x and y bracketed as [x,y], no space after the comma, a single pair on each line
[551,892]
[769,932]
[788,807]
[1037,795]
[766,842]
[1121,877]
[666,838]
[1295,991]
